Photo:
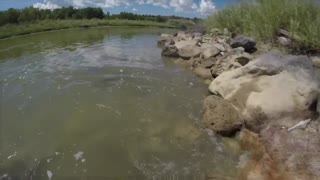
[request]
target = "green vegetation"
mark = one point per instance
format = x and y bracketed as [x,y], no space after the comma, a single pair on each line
[263,19]
[15,22]
[10,30]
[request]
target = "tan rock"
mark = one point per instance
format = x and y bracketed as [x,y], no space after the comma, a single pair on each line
[220,116]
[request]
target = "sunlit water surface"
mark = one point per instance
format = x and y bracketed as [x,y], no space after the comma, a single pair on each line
[102,104]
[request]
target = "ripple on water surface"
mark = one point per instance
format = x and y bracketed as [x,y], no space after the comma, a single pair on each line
[102,103]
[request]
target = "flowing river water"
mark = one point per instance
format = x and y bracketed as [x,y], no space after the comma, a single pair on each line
[101,103]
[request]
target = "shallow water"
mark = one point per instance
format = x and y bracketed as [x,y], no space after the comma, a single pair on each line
[101,103]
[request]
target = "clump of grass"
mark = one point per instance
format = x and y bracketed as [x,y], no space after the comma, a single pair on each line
[263,19]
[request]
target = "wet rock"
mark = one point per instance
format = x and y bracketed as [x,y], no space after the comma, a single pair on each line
[270,87]
[210,52]
[162,42]
[284,41]
[208,63]
[298,150]
[170,51]
[203,73]
[189,51]
[242,41]
[220,116]
[257,163]
[185,62]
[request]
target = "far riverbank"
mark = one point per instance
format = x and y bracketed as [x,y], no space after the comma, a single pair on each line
[11,30]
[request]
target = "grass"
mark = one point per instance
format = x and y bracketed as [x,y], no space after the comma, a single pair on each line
[11,30]
[262,19]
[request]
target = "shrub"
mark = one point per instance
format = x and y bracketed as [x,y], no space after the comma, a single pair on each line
[263,19]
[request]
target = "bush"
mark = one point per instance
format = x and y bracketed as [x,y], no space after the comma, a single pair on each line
[263,19]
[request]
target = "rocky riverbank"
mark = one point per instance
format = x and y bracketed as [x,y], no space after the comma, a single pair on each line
[267,100]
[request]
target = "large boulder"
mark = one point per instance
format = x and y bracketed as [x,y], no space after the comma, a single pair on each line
[220,116]
[189,51]
[270,87]
[242,41]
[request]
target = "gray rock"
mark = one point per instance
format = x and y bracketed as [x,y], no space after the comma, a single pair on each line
[316,61]
[229,62]
[180,44]
[220,116]
[210,52]
[189,51]
[208,63]
[284,41]
[170,51]
[206,39]
[242,41]
[163,35]
[196,34]
[162,42]
[220,47]
[203,73]
[239,50]
[226,32]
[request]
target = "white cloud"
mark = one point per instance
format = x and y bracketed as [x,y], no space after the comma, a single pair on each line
[47,5]
[206,7]
[183,5]
[134,9]
[161,3]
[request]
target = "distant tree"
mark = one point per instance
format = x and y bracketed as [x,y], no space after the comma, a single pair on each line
[12,15]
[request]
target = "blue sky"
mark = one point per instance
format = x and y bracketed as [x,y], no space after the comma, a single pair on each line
[187,8]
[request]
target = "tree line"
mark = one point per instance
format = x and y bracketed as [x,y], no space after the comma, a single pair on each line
[30,14]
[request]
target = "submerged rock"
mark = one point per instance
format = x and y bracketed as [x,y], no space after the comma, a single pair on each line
[220,116]
[203,73]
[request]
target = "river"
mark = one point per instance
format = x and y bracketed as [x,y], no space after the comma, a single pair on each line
[101,103]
